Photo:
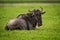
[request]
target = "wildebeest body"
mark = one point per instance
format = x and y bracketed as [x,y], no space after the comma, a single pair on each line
[25,21]
[22,22]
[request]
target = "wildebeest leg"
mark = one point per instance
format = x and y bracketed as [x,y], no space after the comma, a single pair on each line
[6,28]
[9,28]
[23,25]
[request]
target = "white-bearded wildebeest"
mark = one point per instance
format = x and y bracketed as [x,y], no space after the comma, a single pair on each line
[26,21]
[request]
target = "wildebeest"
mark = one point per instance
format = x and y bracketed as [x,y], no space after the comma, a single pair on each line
[26,21]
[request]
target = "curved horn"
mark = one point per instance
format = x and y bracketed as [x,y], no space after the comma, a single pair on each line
[30,10]
[41,9]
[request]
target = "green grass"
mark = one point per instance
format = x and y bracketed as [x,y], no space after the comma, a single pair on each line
[29,0]
[24,1]
[50,30]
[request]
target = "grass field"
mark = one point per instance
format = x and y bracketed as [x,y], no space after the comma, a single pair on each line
[50,30]
[24,1]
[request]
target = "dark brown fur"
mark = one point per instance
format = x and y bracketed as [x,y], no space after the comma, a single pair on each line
[26,21]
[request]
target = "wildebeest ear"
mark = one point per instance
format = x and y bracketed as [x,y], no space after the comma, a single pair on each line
[41,9]
[43,12]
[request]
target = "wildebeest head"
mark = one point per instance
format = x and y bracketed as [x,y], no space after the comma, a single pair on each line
[37,14]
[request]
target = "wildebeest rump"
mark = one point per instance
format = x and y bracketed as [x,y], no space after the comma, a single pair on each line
[26,21]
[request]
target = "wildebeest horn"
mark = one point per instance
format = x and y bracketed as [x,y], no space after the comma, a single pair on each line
[41,9]
[30,10]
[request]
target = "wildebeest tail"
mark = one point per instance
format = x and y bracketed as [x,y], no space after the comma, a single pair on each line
[6,28]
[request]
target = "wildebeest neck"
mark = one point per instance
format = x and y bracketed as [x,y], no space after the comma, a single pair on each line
[31,19]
